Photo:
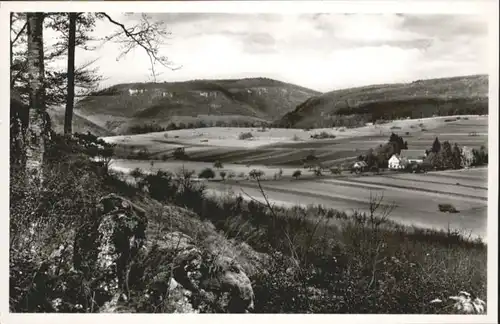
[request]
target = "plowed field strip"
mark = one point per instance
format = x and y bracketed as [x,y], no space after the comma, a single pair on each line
[364,184]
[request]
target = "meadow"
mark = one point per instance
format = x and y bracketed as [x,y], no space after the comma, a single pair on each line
[275,146]
[281,151]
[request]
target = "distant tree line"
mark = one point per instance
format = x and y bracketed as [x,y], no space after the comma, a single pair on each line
[417,108]
[348,121]
[356,115]
[150,128]
[441,156]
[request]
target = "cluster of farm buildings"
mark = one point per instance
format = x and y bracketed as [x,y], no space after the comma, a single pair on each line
[396,162]
[413,158]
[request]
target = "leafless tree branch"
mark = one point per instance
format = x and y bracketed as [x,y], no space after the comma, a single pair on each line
[146,35]
[18,34]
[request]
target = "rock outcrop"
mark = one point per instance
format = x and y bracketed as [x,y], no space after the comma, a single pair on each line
[168,270]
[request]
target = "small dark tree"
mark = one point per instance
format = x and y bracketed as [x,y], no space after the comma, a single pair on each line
[222,175]
[370,159]
[256,174]
[207,174]
[179,153]
[310,161]
[317,172]
[436,146]
[296,174]
[218,165]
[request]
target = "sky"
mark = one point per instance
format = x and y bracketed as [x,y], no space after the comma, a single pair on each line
[323,52]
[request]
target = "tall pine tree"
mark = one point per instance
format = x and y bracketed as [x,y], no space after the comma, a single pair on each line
[446,154]
[436,146]
[457,157]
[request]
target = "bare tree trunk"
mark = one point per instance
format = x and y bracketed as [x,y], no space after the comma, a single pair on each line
[36,132]
[68,117]
[11,44]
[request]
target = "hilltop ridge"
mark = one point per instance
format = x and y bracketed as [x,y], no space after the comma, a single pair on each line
[420,98]
[120,107]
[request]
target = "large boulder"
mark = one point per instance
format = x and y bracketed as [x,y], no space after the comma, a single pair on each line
[106,248]
[217,283]
[167,270]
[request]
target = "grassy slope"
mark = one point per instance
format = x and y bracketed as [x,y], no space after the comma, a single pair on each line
[421,97]
[161,103]
[80,124]
[277,146]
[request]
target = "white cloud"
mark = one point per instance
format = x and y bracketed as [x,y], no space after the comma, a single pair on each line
[323,52]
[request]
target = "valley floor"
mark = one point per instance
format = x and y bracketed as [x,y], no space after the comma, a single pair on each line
[415,196]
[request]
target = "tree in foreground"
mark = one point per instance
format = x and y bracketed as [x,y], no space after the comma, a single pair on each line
[38,122]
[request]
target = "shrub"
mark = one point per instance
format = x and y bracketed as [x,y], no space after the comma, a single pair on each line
[244,136]
[322,135]
[161,185]
[447,208]
[335,170]
[137,174]
[317,172]
[218,165]
[207,173]
[148,128]
[296,174]
[180,154]
[395,127]
[222,174]
[256,174]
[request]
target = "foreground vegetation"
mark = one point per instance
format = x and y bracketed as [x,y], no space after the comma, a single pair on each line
[321,260]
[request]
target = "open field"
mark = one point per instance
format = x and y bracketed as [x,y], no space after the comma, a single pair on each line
[415,196]
[289,146]
[414,205]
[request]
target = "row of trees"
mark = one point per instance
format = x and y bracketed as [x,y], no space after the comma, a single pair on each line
[444,156]
[36,84]
[150,128]
[440,156]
